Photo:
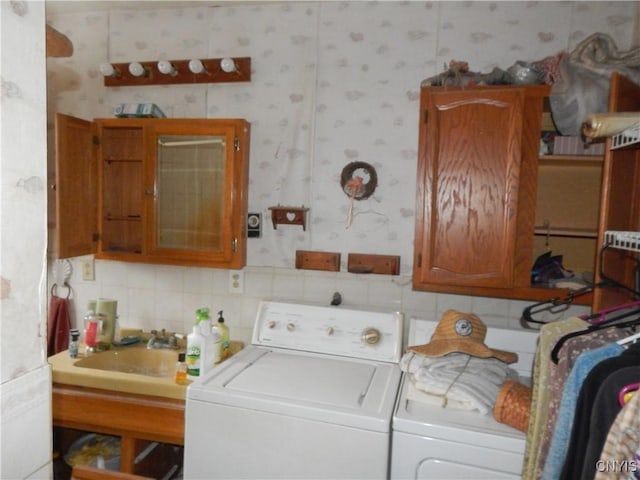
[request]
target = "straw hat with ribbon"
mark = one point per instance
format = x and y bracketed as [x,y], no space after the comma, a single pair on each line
[459,332]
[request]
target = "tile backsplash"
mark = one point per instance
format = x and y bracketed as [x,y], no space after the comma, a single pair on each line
[156,297]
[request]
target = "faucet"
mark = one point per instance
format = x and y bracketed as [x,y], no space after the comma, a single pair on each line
[162,340]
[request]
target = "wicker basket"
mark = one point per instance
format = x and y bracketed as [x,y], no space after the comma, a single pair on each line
[513,405]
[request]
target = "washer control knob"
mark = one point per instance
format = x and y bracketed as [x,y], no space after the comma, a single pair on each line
[271,324]
[291,327]
[370,336]
[329,330]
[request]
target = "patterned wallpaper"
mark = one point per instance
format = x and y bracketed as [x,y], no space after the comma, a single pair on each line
[332,83]
[25,381]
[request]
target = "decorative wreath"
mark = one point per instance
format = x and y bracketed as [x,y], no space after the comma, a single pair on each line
[359,180]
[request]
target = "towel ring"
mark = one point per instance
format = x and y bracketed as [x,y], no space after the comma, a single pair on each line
[54,288]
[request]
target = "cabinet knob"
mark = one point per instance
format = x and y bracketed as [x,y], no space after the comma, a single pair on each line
[149,191]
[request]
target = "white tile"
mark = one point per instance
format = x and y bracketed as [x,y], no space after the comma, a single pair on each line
[198,280]
[258,283]
[169,278]
[288,285]
[26,420]
[141,276]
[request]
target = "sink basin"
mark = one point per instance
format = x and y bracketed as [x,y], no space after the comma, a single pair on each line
[140,361]
[133,369]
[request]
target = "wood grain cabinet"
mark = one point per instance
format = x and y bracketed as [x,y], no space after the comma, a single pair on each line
[171,191]
[488,204]
[476,192]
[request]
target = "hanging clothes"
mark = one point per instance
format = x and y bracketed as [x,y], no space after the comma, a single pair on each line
[566,413]
[622,443]
[550,333]
[567,356]
[59,324]
[595,413]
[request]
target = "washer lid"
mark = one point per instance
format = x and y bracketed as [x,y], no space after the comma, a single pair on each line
[328,388]
[328,381]
[459,426]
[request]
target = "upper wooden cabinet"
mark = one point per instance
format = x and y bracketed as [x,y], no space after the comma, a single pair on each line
[170,191]
[487,204]
[477,168]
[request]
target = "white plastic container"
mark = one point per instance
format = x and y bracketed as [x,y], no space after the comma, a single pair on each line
[211,342]
[196,353]
[217,345]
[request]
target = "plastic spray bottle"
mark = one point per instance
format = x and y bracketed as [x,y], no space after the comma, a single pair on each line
[196,352]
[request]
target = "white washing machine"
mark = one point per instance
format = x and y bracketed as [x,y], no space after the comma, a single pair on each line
[431,442]
[311,397]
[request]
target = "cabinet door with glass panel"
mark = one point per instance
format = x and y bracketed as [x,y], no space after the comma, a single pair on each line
[172,191]
[195,190]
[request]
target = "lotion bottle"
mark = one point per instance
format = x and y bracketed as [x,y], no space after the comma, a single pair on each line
[225,343]
[195,353]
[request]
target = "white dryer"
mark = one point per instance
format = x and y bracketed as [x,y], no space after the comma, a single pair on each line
[311,397]
[431,442]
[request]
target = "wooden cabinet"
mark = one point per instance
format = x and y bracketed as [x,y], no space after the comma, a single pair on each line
[170,191]
[487,204]
[137,419]
[477,170]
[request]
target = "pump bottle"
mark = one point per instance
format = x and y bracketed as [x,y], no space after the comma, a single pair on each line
[224,337]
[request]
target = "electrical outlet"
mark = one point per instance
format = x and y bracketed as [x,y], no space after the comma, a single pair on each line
[88,272]
[236,281]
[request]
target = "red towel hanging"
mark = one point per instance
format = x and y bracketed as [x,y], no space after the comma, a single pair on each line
[59,323]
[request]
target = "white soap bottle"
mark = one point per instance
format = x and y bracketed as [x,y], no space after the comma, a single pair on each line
[217,344]
[196,355]
[209,342]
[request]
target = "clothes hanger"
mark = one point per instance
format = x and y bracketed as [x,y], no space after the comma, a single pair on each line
[627,392]
[630,339]
[553,305]
[557,305]
[599,317]
[604,324]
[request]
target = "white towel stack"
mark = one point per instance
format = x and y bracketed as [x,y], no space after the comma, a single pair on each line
[456,380]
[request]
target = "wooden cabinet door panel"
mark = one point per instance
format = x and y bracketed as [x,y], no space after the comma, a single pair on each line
[76,188]
[469,169]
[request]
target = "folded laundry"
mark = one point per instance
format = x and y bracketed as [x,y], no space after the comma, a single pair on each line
[459,379]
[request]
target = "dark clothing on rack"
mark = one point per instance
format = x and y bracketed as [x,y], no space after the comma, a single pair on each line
[605,410]
[596,420]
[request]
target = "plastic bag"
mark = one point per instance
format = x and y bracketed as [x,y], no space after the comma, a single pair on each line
[584,84]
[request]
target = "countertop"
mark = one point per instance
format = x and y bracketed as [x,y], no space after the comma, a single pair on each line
[65,372]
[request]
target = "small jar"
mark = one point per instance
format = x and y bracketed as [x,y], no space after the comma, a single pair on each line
[181,370]
[73,345]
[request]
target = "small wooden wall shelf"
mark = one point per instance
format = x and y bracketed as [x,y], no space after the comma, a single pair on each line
[289,216]
[327,261]
[368,263]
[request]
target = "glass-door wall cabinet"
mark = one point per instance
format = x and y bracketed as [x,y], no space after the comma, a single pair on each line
[170,191]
